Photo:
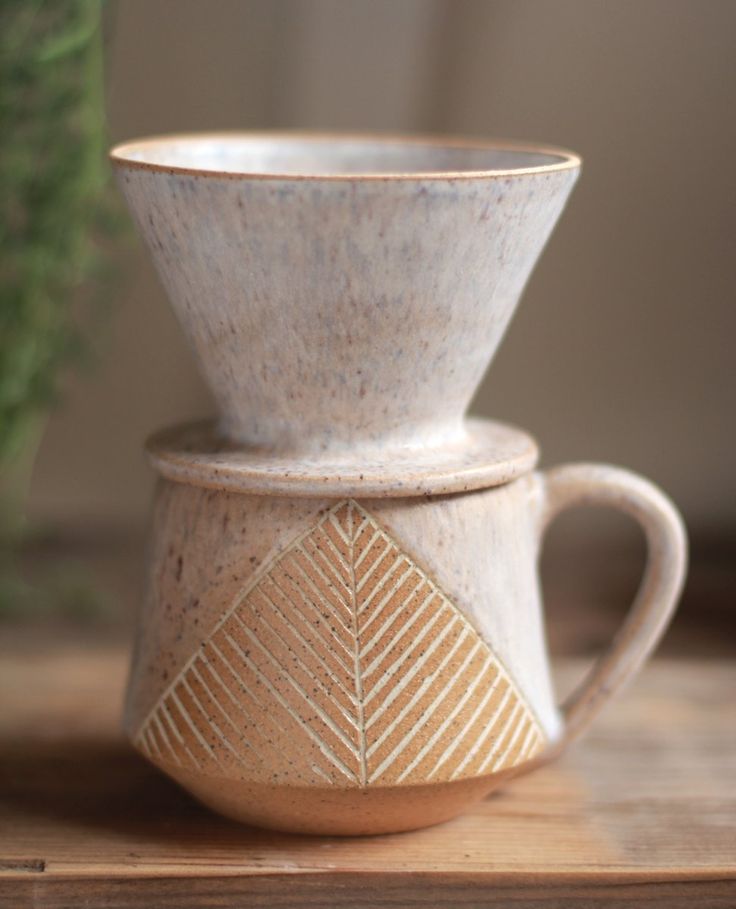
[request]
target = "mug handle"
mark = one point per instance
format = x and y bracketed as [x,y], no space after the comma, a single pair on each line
[599,484]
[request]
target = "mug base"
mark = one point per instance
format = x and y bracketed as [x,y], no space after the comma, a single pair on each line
[339,812]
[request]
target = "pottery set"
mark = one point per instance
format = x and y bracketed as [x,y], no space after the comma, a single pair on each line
[343,630]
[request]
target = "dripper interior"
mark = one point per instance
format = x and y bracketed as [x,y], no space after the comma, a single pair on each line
[320,156]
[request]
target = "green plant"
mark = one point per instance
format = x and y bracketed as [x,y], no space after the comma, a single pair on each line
[53,208]
[53,176]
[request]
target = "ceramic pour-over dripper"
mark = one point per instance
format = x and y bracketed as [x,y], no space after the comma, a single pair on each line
[344,295]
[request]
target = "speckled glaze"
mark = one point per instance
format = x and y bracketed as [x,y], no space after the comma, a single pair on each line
[342,632]
[343,295]
[491,453]
[354,667]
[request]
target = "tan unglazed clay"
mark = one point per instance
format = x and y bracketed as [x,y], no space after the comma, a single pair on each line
[343,629]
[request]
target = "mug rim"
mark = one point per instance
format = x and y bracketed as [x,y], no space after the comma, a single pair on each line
[120,155]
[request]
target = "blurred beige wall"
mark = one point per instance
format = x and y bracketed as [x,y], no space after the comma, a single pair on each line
[623,348]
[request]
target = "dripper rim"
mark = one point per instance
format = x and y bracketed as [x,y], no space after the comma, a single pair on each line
[120,156]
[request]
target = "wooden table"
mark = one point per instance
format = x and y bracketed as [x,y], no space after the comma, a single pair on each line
[642,812]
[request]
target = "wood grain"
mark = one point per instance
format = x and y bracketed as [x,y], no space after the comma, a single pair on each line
[643,811]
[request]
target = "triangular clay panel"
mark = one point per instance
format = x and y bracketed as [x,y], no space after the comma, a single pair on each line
[342,664]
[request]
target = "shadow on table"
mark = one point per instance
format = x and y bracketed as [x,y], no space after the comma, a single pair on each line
[106,785]
[103,785]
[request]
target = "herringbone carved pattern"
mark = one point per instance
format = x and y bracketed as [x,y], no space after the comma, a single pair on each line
[342,663]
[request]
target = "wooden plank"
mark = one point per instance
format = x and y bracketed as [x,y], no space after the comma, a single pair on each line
[336,891]
[642,811]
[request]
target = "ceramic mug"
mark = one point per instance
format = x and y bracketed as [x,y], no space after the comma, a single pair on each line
[355,666]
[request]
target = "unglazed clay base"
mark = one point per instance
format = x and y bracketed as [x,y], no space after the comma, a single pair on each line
[486,453]
[338,812]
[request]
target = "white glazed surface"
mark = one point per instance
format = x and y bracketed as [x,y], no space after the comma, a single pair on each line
[490,454]
[343,313]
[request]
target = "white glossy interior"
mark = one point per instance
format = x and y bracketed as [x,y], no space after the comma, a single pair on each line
[329,155]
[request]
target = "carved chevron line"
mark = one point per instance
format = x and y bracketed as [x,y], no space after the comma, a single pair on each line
[342,663]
